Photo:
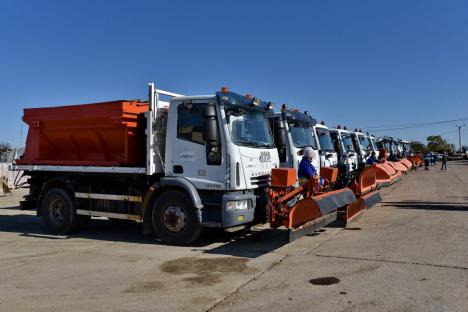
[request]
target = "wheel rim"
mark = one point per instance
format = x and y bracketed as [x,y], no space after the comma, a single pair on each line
[174,218]
[56,211]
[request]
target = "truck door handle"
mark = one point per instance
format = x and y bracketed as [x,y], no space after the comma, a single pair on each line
[178,169]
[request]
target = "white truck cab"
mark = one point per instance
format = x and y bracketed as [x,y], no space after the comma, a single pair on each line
[222,144]
[347,155]
[362,145]
[386,143]
[398,146]
[407,150]
[373,145]
[293,131]
[327,154]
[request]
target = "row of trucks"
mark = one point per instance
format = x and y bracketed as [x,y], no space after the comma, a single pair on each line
[177,164]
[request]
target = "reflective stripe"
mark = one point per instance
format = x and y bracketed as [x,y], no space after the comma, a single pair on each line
[137,199]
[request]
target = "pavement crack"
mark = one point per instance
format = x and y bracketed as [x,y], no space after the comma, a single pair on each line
[238,288]
[395,261]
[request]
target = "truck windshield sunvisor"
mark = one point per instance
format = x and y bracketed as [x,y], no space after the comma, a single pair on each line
[249,127]
[302,134]
[236,100]
[325,140]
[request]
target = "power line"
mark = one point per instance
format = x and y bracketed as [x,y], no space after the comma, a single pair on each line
[412,125]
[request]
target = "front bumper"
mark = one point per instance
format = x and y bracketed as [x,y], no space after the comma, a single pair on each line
[231,218]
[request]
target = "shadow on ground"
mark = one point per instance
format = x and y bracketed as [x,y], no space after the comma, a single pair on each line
[445,206]
[246,243]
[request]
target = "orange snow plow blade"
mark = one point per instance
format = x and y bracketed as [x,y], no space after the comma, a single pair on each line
[399,167]
[367,180]
[417,161]
[304,209]
[365,189]
[408,164]
[386,174]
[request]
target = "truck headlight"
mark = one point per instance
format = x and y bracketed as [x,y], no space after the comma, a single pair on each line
[238,205]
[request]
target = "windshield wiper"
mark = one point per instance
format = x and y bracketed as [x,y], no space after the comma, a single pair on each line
[254,143]
[302,146]
[245,143]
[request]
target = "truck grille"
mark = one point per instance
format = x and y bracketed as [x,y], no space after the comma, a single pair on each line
[260,181]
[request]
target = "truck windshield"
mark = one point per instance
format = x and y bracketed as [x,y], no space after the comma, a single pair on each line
[324,139]
[387,146]
[249,127]
[347,141]
[302,135]
[364,142]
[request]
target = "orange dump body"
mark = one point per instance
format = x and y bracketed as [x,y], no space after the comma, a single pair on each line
[99,134]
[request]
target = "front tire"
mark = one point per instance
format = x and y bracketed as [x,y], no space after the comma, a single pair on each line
[174,218]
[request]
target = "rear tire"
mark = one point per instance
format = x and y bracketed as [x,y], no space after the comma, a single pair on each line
[174,218]
[58,212]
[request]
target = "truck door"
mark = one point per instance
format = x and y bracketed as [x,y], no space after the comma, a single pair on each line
[193,157]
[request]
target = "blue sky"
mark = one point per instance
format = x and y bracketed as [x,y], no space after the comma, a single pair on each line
[359,63]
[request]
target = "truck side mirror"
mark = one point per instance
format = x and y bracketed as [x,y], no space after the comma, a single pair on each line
[280,138]
[211,135]
[210,124]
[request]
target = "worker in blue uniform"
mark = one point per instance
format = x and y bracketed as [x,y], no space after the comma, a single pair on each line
[306,170]
[372,159]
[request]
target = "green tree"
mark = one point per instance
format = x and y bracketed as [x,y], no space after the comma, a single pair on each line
[418,147]
[436,143]
[4,147]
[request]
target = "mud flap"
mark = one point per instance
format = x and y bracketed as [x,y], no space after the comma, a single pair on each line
[311,226]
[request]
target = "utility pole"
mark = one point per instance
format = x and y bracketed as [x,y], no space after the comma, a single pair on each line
[459,135]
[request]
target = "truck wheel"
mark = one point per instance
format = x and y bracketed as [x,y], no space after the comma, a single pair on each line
[174,218]
[58,213]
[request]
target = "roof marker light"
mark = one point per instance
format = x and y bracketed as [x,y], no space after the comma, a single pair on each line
[224,89]
[256,101]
